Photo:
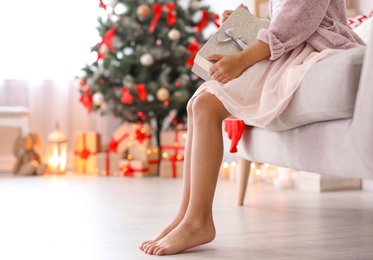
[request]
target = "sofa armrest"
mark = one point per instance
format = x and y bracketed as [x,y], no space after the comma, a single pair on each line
[362,123]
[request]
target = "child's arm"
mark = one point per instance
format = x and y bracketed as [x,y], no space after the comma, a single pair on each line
[296,23]
[229,67]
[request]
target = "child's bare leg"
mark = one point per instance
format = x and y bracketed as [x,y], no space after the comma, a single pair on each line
[197,227]
[186,187]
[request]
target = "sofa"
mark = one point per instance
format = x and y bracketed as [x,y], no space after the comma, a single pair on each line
[326,129]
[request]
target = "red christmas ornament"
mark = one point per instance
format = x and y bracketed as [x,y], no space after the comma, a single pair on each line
[205,19]
[157,10]
[107,40]
[102,4]
[216,20]
[193,49]
[126,96]
[141,91]
[86,98]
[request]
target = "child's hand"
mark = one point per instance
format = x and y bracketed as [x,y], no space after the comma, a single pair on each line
[227,13]
[226,68]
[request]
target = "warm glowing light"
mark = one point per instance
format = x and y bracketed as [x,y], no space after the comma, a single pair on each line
[252,166]
[155,150]
[129,157]
[184,135]
[225,165]
[165,155]
[178,157]
[129,144]
[233,164]
[57,158]
[258,172]
[266,165]
[176,144]
[131,137]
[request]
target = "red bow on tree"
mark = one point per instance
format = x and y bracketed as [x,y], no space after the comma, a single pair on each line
[141,91]
[102,4]
[205,19]
[86,98]
[158,9]
[126,96]
[216,20]
[193,49]
[107,40]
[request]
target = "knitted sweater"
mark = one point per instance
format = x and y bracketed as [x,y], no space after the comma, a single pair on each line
[320,23]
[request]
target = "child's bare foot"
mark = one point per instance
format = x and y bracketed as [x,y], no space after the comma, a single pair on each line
[185,236]
[161,235]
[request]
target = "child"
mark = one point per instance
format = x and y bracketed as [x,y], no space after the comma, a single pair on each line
[257,85]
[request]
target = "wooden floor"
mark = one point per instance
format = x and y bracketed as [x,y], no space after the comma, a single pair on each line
[89,217]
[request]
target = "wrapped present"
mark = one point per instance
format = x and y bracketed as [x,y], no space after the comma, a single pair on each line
[171,167]
[133,168]
[235,34]
[118,141]
[172,147]
[107,163]
[140,134]
[146,154]
[130,134]
[86,146]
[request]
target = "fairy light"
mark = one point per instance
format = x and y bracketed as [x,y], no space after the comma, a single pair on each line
[165,155]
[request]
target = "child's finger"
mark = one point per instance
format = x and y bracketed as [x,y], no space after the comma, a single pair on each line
[214,57]
[244,6]
[226,14]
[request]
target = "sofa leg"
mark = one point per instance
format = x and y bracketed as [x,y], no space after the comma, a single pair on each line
[243,171]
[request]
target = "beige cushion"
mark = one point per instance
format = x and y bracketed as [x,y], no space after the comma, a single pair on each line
[327,92]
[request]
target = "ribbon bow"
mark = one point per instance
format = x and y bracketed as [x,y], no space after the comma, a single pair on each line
[157,9]
[230,35]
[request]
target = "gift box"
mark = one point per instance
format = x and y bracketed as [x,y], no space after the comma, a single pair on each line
[118,141]
[133,168]
[235,34]
[173,168]
[130,134]
[139,134]
[172,149]
[146,154]
[86,146]
[107,163]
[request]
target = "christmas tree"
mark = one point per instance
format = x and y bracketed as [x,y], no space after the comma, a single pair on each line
[143,68]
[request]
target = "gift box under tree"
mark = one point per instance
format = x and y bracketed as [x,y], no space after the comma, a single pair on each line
[150,155]
[107,163]
[133,168]
[86,146]
[130,134]
[172,150]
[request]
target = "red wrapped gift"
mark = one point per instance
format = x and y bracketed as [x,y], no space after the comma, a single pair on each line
[130,134]
[118,141]
[172,146]
[86,146]
[139,134]
[146,154]
[107,163]
[133,168]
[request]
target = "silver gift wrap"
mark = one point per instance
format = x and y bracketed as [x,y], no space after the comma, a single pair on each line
[236,33]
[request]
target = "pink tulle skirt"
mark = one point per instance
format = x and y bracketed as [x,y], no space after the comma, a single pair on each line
[264,90]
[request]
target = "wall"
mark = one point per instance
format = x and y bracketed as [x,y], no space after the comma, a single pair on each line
[363,6]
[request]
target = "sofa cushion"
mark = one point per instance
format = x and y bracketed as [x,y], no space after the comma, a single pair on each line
[327,92]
